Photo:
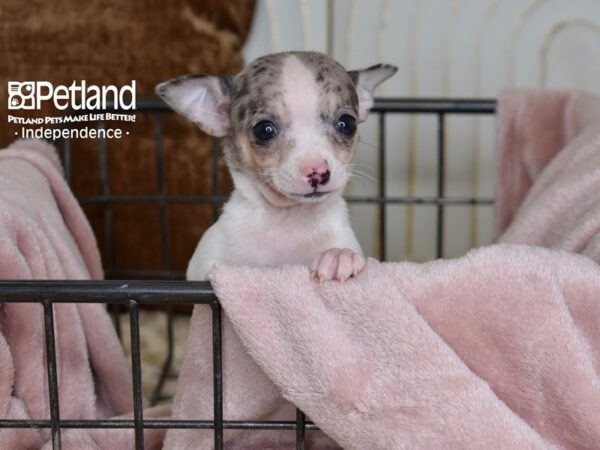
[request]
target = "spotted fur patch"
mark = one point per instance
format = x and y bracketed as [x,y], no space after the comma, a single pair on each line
[256,94]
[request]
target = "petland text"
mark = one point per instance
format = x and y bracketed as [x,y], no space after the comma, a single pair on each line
[29,95]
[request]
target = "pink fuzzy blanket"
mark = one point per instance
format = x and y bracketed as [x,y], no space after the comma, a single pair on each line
[549,170]
[498,349]
[44,235]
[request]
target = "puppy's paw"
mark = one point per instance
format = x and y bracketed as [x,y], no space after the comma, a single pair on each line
[337,264]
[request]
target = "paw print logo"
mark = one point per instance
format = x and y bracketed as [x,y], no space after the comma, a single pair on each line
[21,95]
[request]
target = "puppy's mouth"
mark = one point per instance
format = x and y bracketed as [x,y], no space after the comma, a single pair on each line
[282,198]
[314,194]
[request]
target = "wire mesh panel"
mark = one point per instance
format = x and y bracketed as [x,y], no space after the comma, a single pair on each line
[132,295]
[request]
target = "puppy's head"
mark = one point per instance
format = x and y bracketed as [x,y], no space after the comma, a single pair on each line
[288,119]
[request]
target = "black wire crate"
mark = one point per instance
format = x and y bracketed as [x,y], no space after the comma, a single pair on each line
[130,296]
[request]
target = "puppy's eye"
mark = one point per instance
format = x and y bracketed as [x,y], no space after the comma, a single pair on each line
[346,124]
[264,130]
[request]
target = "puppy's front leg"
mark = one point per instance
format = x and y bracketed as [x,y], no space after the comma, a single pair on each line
[337,264]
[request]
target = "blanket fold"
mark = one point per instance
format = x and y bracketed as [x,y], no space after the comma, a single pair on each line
[498,349]
[549,170]
[45,235]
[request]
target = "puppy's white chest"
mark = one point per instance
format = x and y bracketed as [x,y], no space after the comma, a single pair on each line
[279,243]
[245,235]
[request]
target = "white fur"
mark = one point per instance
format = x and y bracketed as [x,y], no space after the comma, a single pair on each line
[256,230]
[301,97]
[252,231]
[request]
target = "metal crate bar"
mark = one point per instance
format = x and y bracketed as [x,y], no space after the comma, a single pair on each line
[435,105]
[300,430]
[382,188]
[107,291]
[441,181]
[106,191]
[159,424]
[52,373]
[217,375]
[350,199]
[136,373]
[387,105]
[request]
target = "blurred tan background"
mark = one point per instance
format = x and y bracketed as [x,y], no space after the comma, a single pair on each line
[114,42]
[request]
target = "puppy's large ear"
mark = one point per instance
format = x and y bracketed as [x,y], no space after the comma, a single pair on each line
[366,81]
[203,99]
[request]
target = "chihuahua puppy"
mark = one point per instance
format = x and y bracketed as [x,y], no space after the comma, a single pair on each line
[289,128]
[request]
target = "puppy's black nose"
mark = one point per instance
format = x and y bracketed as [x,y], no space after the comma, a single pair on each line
[316,178]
